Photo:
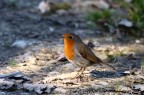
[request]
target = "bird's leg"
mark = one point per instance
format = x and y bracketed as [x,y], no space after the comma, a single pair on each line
[78,71]
[82,70]
[79,76]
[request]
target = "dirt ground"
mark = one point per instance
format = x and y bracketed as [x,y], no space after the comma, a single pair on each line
[41,60]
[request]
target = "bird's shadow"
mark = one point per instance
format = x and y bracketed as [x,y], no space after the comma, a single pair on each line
[109,74]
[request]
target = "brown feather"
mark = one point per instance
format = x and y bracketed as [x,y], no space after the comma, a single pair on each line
[86,52]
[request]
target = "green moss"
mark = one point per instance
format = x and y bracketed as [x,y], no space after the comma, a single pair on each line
[12,63]
[6,44]
[92,25]
[13,3]
[116,54]
[54,7]
[99,15]
[99,19]
[117,86]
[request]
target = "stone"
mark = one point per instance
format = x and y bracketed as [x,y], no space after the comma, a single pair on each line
[24,94]
[126,23]
[6,84]
[44,6]
[20,44]
[60,90]
[124,88]
[139,87]
[38,88]
[3,93]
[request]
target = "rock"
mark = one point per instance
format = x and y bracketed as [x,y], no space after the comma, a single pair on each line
[28,87]
[124,88]
[44,6]
[60,90]
[19,81]
[50,89]
[137,41]
[126,23]
[90,45]
[20,77]
[126,94]
[136,72]
[53,73]
[109,39]
[25,94]
[96,86]
[138,79]
[102,4]
[3,93]
[126,73]
[4,85]
[39,88]
[9,74]
[22,44]
[103,83]
[97,94]
[61,58]
[103,74]
[51,29]
[139,87]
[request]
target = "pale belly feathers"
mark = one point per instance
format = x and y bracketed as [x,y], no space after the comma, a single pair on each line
[79,60]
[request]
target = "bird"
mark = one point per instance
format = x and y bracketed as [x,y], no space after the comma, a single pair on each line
[78,53]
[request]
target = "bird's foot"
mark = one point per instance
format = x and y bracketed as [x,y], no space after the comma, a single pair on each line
[80,78]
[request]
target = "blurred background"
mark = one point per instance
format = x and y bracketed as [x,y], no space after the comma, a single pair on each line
[31,43]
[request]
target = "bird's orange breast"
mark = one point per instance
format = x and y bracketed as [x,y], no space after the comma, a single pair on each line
[69,49]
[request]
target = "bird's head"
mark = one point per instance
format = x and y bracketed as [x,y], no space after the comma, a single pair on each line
[71,38]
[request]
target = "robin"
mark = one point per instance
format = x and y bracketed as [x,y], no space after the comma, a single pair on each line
[79,53]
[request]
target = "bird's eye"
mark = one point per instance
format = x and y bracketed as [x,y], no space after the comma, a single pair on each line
[70,37]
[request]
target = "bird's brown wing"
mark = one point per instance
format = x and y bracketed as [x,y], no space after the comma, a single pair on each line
[86,52]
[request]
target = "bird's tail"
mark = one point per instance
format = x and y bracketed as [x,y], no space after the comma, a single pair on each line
[108,65]
[102,62]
